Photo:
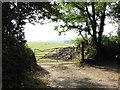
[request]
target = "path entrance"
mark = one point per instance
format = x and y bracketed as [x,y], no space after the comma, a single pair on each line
[70,76]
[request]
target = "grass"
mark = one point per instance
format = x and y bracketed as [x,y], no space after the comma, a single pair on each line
[35,79]
[46,45]
[51,60]
[33,82]
[77,60]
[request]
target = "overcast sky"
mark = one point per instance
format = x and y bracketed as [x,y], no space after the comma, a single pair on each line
[46,32]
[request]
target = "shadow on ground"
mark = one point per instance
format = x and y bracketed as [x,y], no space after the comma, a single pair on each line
[65,82]
[108,66]
[71,82]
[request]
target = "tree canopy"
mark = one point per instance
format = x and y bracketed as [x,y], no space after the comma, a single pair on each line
[87,17]
[17,57]
[15,15]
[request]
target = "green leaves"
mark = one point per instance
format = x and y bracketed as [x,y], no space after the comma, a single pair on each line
[76,14]
[56,28]
[17,58]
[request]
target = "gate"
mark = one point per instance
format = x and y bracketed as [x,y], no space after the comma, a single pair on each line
[40,54]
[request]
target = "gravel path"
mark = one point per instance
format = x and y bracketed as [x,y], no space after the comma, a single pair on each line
[85,77]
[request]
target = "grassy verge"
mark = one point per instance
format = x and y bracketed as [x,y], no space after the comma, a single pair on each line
[35,79]
[33,82]
[50,61]
[77,60]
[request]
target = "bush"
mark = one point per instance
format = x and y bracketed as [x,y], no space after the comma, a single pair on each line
[17,60]
[108,51]
[93,53]
[78,41]
[111,48]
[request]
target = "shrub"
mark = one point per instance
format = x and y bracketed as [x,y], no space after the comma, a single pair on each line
[17,60]
[93,53]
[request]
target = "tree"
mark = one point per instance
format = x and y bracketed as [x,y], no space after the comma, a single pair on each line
[115,12]
[17,58]
[87,17]
[14,16]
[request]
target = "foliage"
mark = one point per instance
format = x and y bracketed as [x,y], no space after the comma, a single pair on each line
[77,59]
[88,19]
[16,15]
[92,53]
[17,57]
[112,47]
[77,16]
[78,41]
[109,50]
[115,12]
[17,60]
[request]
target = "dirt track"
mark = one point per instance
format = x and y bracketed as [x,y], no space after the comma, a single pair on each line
[85,77]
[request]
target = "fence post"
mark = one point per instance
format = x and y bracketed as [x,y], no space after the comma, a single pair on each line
[73,49]
[82,51]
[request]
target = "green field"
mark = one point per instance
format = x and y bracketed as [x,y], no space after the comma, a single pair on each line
[46,45]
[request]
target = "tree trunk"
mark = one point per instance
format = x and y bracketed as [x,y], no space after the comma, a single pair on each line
[101,26]
[94,25]
[82,51]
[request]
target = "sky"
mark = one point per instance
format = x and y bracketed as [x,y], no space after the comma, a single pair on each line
[46,32]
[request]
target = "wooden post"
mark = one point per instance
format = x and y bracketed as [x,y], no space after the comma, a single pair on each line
[82,51]
[73,49]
